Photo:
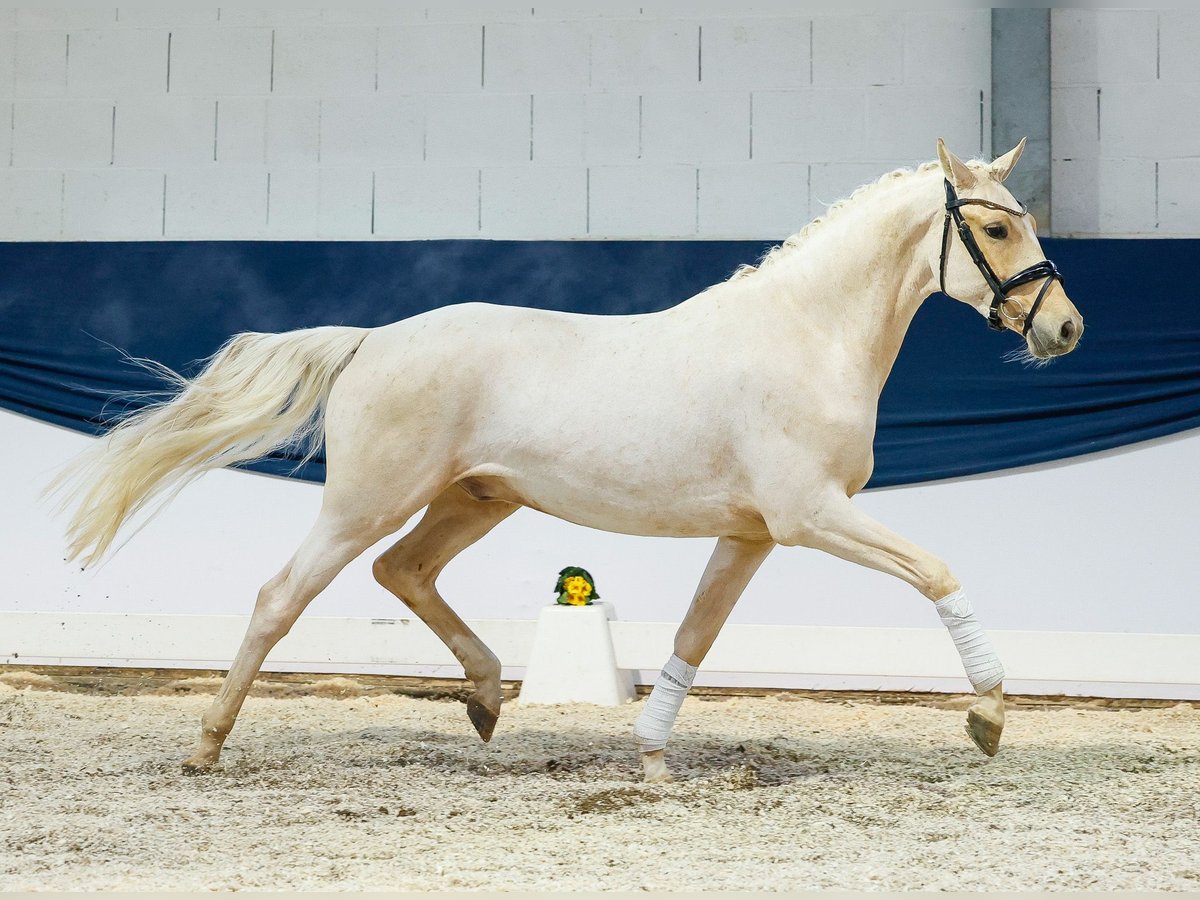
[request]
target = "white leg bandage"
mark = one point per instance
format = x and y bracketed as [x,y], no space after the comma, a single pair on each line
[979,659]
[662,706]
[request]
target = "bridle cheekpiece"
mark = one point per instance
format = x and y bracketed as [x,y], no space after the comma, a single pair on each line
[1000,289]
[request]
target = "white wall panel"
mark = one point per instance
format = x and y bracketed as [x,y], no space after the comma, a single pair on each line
[948,47]
[1179,196]
[537,56]
[478,129]
[431,58]
[293,131]
[8,49]
[643,201]
[1112,197]
[645,56]
[1148,120]
[1122,83]
[241,130]
[1179,41]
[40,64]
[405,11]
[72,15]
[61,133]
[117,62]
[163,14]
[30,205]
[810,125]
[166,132]
[293,202]
[325,61]
[709,127]
[479,11]
[270,15]
[857,50]
[770,201]
[1075,111]
[112,204]
[830,182]
[558,128]
[227,200]
[906,122]
[755,54]
[612,128]
[414,201]
[1109,46]
[220,61]
[6,133]
[344,202]
[374,130]
[529,202]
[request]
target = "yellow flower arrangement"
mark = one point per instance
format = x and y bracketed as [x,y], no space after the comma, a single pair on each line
[575,587]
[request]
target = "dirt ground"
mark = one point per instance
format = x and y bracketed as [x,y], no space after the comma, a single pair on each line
[337,784]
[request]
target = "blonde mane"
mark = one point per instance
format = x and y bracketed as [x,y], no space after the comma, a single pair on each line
[791,244]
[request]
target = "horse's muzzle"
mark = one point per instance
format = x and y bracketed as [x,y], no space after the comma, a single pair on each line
[1056,338]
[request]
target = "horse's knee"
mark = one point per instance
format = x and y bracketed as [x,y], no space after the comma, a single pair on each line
[936,580]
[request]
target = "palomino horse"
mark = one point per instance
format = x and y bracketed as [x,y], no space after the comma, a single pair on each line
[745,413]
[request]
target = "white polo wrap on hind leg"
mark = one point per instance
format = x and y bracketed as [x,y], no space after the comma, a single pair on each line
[979,659]
[654,724]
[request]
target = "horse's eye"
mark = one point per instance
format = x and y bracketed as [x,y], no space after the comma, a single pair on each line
[997,231]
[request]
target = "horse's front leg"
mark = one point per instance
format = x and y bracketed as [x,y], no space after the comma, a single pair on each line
[730,569]
[842,529]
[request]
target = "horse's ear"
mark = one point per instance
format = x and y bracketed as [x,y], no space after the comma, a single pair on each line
[957,172]
[1003,165]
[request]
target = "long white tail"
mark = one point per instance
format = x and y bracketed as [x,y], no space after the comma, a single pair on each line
[258,393]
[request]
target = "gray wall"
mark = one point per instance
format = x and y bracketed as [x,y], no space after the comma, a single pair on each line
[1126,114]
[470,120]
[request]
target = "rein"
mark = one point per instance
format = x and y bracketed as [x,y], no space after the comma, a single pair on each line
[1000,289]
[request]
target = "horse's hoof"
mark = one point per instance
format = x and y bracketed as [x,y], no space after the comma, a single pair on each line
[654,768]
[197,766]
[984,732]
[482,718]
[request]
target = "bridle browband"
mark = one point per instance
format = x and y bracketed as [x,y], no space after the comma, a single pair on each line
[1000,289]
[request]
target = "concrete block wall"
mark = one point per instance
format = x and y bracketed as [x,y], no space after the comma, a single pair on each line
[1125,141]
[493,120]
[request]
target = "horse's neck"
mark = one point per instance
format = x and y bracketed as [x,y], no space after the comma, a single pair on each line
[860,277]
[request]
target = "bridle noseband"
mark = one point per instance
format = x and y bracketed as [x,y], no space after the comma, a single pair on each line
[1000,289]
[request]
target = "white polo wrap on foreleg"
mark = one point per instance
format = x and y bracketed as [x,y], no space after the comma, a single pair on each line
[662,706]
[979,659]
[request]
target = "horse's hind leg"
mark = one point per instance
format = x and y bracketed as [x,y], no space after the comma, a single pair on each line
[453,522]
[329,546]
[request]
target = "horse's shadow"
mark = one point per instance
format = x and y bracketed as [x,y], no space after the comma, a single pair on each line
[696,755]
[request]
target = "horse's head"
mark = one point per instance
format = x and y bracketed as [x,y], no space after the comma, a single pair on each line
[991,259]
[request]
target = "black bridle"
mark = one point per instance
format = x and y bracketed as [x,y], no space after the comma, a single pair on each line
[1000,289]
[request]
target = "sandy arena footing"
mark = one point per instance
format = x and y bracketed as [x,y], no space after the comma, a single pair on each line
[343,785]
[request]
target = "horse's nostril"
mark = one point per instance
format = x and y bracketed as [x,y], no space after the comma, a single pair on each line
[1067,331]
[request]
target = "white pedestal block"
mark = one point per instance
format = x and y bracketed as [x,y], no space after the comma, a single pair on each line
[572,660]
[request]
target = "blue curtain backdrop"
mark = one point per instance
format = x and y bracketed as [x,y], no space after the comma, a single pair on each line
[952,406]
